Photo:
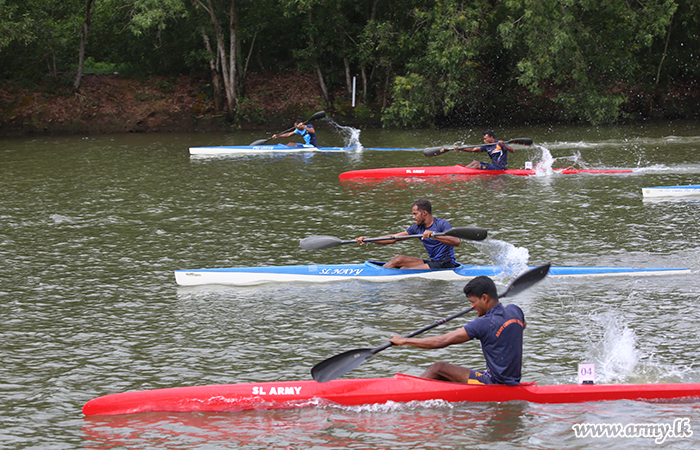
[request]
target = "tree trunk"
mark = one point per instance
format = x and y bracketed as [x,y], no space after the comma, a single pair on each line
[317,67]
[89,9]
[322,83]
[228,61]
[215,77]
[348,78]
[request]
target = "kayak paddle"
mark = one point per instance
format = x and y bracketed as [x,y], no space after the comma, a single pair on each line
[322,242]
[338,365]
[435,151]
[318,115]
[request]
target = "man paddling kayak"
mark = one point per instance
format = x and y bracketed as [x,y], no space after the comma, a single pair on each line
[498,327]
[497,150]
[440,248]
[306,131]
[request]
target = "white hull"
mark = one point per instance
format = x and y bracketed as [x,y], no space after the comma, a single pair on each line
[372,271]
[671,191]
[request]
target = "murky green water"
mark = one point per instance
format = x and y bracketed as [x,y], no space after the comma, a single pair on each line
[91,229]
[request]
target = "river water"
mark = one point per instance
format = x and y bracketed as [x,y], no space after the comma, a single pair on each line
[92,227]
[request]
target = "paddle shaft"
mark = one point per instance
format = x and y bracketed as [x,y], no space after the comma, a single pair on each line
[318,115]
[323,242]
[526,280]
[435,151]
[395,238]
[423,330]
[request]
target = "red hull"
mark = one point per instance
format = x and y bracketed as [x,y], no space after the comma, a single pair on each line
[436,171]
[400,388]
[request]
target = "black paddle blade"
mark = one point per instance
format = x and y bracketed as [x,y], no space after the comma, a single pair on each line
[470,233]
[338,365]
[526,280]
[521,141]
[320,242]
[259,142]
[435,151]
[318,115]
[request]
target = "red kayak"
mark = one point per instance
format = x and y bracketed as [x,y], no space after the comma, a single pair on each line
[400,388]
[436,171]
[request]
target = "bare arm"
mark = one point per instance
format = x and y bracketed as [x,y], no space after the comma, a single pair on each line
[468,149]
[283,135]
[447,240]
[506,146]
[453,337]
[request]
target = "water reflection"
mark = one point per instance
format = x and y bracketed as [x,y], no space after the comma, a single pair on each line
[92,229]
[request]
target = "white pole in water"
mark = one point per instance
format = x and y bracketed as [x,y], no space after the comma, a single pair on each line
[354,79]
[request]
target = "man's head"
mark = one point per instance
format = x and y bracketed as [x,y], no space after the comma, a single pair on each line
[489,136]
[421,209]
[482,294]
[299,124]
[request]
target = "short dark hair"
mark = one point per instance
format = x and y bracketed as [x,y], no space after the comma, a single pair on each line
[423,205]
[298,121]
[490,133]
[481,285]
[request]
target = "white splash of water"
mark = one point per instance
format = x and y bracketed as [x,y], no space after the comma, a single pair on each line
[544,166]
[512,259]
[59,218]
[350,135]
[614,355]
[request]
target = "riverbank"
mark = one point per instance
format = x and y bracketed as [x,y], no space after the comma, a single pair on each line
[114,104]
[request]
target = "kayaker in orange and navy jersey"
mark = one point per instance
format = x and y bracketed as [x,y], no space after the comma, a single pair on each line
[498,327]
[440,248]
[497,150]
[306,131]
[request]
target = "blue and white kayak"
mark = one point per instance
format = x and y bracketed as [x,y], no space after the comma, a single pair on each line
[374,271]
[671,191]
[277,148]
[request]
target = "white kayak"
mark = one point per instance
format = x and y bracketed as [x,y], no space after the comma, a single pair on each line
[374,271]
[277,148]
[671,191]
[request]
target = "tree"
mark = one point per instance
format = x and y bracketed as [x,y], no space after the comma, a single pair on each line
[450,47]
[584,51]
[89,9]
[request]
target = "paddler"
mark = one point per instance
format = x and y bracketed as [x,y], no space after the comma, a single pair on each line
[497,150]
[306,131]
[498,327]
[440,248]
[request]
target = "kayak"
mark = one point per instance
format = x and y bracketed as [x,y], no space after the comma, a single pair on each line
[437,171]
[375,271]
[400,388]
[277,148]
[671,191]
[245,149]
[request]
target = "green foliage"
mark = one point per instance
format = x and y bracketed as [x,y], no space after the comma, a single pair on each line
[584,48]
[411,107]
[423,60]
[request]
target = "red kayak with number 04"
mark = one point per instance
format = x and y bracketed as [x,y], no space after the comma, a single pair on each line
[400,388]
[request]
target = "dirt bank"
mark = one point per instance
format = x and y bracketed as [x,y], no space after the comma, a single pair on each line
[113,104]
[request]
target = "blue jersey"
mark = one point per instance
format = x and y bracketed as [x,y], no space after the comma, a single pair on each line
[498,154]
[437,251]
[500,332]
[309,138]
